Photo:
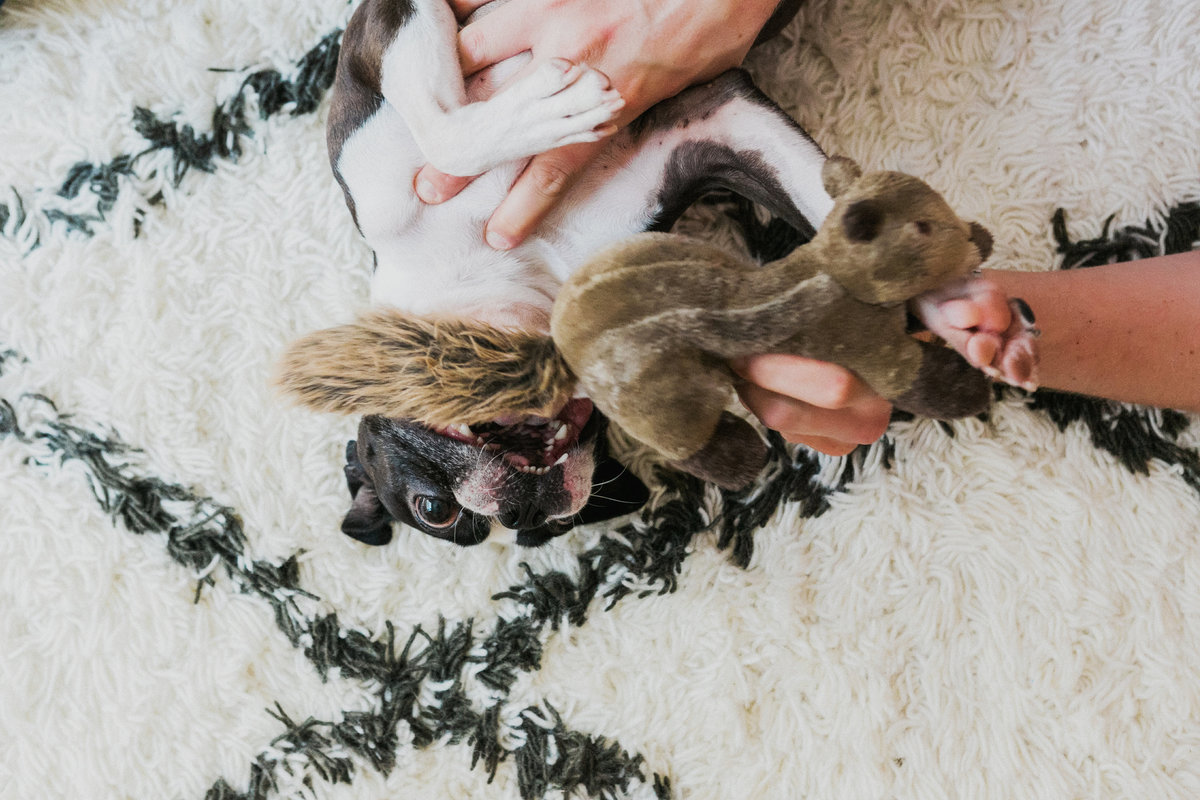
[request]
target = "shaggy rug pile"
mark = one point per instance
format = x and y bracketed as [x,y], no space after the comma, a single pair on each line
[1004,607]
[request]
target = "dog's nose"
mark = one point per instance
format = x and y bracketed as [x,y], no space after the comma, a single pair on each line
[521,517]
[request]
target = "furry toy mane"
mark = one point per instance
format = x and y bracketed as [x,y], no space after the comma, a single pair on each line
[433,372]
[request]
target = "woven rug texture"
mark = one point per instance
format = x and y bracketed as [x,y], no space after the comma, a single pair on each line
[1005,607]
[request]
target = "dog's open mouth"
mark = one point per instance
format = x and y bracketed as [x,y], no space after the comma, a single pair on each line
[531,444]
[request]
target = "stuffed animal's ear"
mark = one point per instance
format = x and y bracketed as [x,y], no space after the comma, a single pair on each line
[436,373]
[982,240]
[838,173]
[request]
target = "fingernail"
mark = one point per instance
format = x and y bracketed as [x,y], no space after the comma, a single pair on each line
[498,242]
[427,191]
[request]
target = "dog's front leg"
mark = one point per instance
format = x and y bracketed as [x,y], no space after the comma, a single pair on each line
[556,104]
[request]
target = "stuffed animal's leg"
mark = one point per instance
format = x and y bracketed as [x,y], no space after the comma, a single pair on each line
[946,386]
[993,332]
[732,458]
[679,411]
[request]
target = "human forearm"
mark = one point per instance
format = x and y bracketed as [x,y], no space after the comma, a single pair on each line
[1129,331]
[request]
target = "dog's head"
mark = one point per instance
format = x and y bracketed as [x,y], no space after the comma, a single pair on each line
[464,427]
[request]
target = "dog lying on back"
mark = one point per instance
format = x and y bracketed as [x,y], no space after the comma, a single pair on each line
[439,293]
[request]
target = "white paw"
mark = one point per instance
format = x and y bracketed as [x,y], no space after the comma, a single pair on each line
[557,104]
[992,332]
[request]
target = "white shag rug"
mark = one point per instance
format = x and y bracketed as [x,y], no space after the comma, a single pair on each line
[1000,608]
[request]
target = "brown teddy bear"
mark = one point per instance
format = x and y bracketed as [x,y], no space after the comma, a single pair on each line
[649,326]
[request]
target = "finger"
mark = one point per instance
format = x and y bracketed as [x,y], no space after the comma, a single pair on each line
[465,8]
[434,186]
[545,179]
[493,38]
[799,421]
[819,383]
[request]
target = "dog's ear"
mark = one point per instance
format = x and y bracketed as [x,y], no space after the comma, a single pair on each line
[838,173]
[367,520]
[436,373]
[982,240]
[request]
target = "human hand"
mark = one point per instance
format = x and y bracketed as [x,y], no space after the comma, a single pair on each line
[814,403]
[649,51]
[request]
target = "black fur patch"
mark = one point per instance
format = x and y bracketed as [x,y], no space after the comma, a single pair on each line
[697,168]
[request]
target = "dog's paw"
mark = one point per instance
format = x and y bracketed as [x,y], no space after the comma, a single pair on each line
[561,103]
[557,104]
[992,332]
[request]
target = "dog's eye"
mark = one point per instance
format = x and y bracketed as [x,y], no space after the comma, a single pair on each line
[436,512]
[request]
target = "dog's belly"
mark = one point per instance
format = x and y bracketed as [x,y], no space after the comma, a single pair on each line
[432,259]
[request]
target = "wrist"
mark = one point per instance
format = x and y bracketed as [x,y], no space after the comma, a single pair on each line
[1122,331]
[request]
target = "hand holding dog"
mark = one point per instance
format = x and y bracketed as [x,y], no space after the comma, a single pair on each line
[649,51]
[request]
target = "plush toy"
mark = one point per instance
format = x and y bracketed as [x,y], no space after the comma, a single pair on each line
[649,326]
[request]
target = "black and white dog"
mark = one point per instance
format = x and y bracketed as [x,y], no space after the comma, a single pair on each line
[400,102]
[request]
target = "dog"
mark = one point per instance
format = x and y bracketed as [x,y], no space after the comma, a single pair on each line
[399,102]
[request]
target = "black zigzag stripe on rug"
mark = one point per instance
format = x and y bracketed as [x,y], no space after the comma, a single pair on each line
[298,94]
[209,534]
[650,550]
[1179,233]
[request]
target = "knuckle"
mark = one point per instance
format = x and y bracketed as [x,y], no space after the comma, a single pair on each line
[780,415]
[470,43]
[548,177]
[840,389]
